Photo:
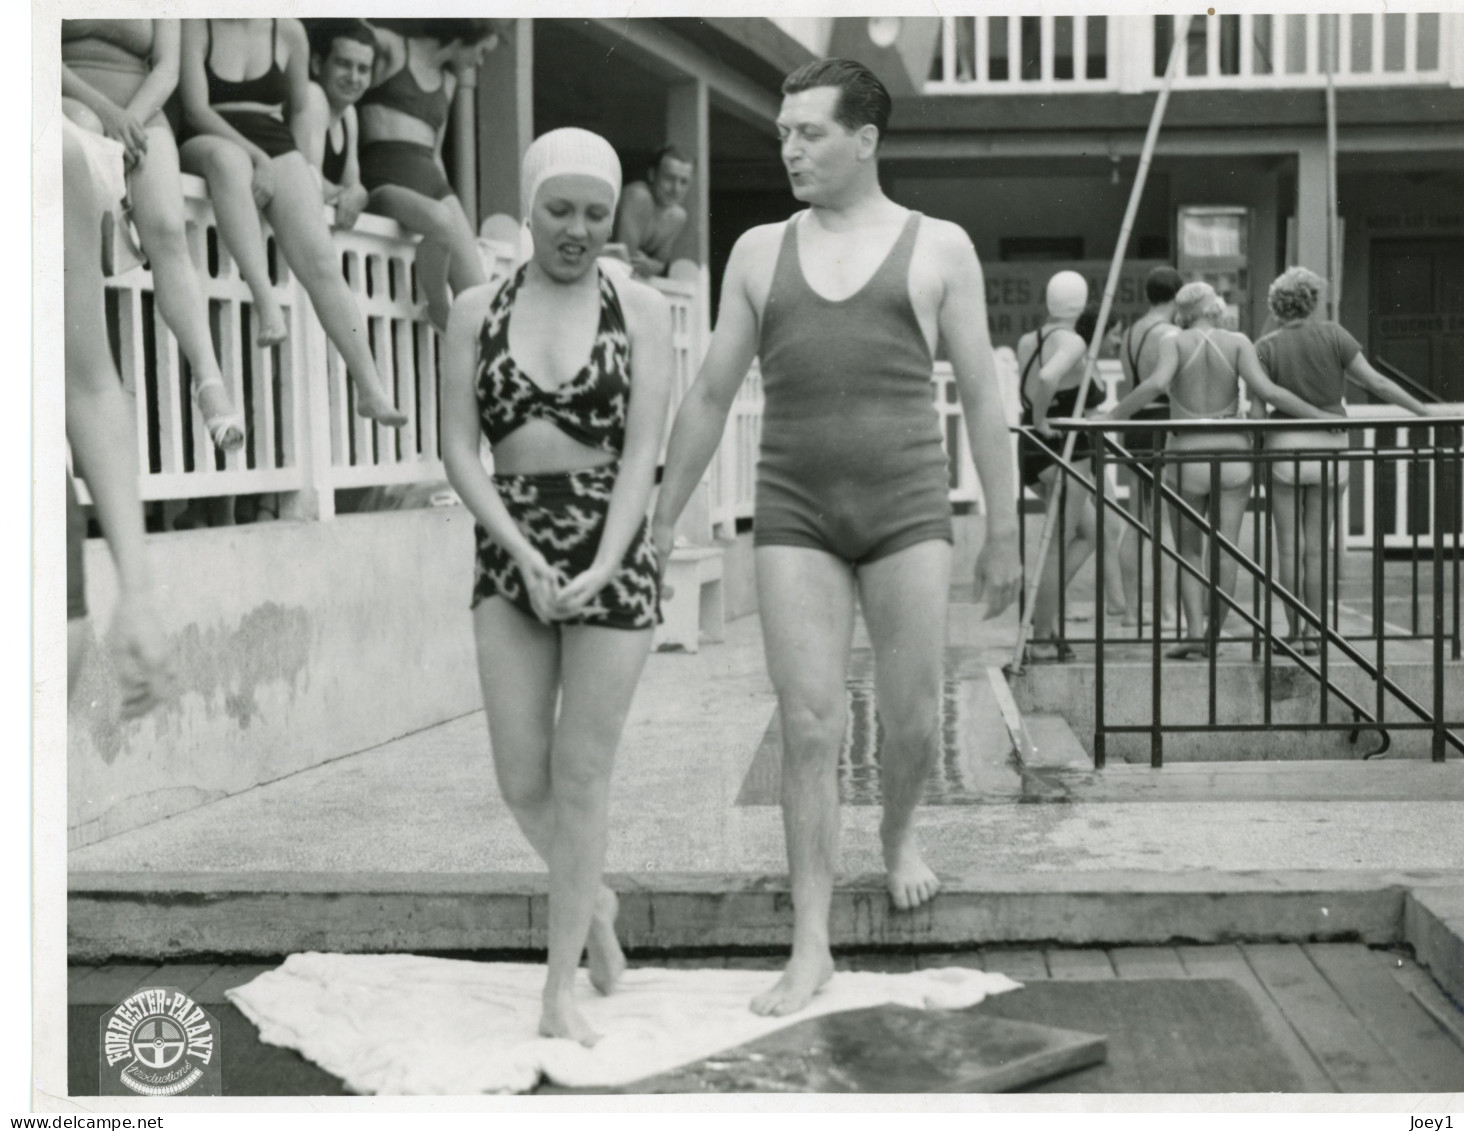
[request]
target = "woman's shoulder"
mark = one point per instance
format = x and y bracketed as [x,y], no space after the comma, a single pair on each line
[641,302]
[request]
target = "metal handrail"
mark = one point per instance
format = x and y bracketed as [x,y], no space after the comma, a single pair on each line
[1375,672]
[1419,390]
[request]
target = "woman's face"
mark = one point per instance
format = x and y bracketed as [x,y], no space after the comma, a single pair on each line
[570,222]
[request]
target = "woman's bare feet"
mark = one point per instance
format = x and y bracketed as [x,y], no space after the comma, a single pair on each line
[805,974]
[607,961]
[910,880]
[561,1018]
[270,326]
[373,404]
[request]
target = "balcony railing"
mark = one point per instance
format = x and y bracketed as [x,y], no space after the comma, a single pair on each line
[1049,54]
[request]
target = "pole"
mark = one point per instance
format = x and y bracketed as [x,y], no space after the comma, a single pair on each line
[1146,156]
[1329,47]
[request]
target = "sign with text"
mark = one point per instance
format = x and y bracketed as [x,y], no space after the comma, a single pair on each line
[159,1042]
[1016,293]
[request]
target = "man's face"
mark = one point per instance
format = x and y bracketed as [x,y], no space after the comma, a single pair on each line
[821,156]
[671,182]
[346,71]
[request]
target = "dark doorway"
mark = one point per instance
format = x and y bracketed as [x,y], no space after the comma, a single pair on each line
[1417,316]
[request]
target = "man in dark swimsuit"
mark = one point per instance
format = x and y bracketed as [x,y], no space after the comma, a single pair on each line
[843,305]
[1139,354]
[342,54]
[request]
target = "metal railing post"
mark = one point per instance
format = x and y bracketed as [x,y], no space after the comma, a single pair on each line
[1100,602]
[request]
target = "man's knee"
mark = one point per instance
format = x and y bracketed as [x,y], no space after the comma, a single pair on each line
[913,724]
[812,726]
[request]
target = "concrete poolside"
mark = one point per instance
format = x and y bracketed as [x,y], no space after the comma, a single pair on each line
[408,846]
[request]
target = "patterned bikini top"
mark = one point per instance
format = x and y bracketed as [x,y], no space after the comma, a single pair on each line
[590,407]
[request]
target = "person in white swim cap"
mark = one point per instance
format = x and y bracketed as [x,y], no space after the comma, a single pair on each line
[1051,365]
[566,593]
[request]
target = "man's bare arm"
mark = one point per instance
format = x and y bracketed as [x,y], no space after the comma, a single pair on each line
[702,417]
[962,322]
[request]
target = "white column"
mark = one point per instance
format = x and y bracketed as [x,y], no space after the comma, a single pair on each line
[1311,205]
[505,120]
[465,143]
[688,109]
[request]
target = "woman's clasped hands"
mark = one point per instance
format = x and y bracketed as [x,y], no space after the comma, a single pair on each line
[552,595]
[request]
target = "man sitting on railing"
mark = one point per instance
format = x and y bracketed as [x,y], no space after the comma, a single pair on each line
[342,53]
[652,214]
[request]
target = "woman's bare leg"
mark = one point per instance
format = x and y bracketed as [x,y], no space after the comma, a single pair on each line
[157,206]
[599,669]
[448,253]
[1285,499]
[1233,501]
[297,216]
[518,667]
[230,174]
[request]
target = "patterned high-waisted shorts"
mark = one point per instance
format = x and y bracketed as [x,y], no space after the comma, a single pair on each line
[562,515]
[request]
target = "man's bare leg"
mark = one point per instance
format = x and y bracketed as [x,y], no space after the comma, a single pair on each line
[904,597]
[806,604]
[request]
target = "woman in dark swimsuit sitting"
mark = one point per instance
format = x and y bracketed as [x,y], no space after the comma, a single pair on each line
[243,146]
[115,77]
[403,120]
[566,594]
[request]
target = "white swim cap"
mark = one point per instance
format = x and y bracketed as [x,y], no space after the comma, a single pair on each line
[1067,294]
[568,152]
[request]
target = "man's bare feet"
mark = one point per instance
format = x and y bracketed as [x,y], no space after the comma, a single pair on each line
[561,1018]
[607,961]
[804,976]
[270,326]
[910,879]
[374,405]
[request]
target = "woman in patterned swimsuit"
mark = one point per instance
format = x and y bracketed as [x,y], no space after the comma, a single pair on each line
[566,590]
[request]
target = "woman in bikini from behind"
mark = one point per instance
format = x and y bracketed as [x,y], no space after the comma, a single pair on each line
[566,592]
[403,119]
[244,84]
[1201,369]
[115,77]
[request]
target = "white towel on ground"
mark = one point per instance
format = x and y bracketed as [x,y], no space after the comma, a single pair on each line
[400,1024]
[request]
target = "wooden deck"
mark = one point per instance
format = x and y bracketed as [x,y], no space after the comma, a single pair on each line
[1349,1018]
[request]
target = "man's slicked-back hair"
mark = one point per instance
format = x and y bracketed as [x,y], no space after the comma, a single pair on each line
[1162,284]
[863,99]
[323,34]
[672,152]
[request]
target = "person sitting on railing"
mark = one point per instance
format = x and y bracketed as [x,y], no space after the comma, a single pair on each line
[1314,359]
[116,76]
[1139,355]
[653,212]
[244,148]
[101,427]
[342,53]
[403,121]
[1200,368]
[1052,362]
[566,593]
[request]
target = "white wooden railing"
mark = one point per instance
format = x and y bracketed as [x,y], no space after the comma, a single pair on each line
[305,439]
[305,442]
[1048,54]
